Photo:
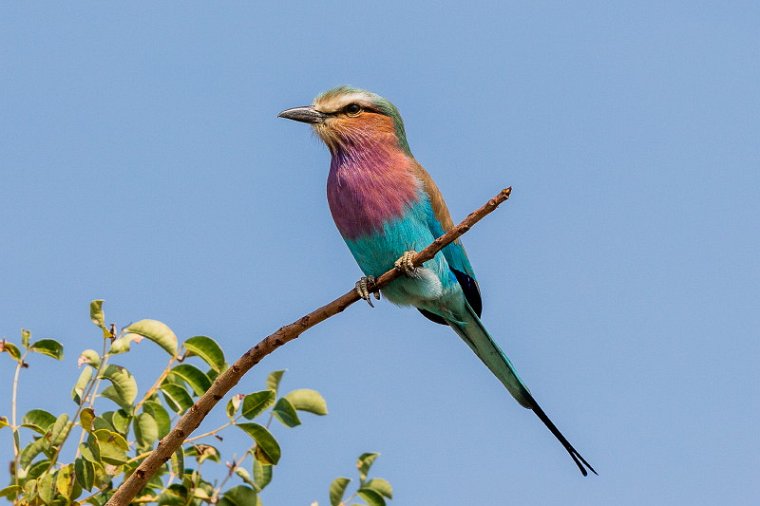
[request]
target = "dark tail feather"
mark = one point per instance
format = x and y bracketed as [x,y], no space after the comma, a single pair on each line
[472,331]
[577,457]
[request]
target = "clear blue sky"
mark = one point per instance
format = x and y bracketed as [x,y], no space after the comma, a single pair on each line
[141,161]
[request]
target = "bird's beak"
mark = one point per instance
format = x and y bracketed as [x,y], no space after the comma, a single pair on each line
[305,114]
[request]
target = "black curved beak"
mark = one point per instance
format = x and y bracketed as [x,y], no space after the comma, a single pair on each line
[305,114]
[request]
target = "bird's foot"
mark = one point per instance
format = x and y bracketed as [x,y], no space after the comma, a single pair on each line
[405,264]
[363,288]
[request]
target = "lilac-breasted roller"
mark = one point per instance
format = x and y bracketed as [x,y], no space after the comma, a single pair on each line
[386,207]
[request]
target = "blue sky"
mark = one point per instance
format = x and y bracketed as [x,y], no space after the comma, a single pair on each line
[141,161]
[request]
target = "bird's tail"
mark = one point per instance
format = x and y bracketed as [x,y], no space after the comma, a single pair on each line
[472,331]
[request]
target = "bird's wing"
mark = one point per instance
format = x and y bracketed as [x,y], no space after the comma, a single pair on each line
[440,222]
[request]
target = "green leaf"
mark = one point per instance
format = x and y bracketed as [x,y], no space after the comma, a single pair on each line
[37,469]
[239,496]
[337,490]
[25,337]
[371,497]
[65,480]
[194,377]
[146,430]
[123,344]
[120,420]
[11,349]
[49,347]
[273,380]
[245,476]
[262,474]
[178,463]
[89,357]
[38,420]
[84,378]
[97,316]
[124,386]
[86,417]
[46,487]
[176,397]
[31,450]
[381,486]
[232,405]
[3,422]
[285,412]
[156,331]
[10,492]
[267,448]
[208,350]
[174,495]
[306,399]
[85,473]
[60,430]
[364,463]
[90,450]
[113,446]
[255,403]
[203,452]
[163,421]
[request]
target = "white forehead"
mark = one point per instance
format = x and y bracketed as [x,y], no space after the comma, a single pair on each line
[334,102]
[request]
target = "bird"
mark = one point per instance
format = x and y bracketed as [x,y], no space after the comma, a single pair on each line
[387,207]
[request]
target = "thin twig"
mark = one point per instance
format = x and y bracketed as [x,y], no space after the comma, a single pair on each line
[229,378]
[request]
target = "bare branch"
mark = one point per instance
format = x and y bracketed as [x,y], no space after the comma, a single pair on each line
[229,378]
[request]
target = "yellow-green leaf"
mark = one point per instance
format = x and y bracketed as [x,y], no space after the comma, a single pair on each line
[381,486]
[273,380]
[11,349]
[84,378]
[49,347]
[337,490]
[262,474]
[208,350]
[364,462]
[25,337]
[97,316]
[86,418]
[60,430]
[160,415]
[156,331]
[65,480]
[146,430]
[89,357]
[306,399]
[10,492]
[46,487]
[3,422]
[267,449]
[178,463]
[124,385]
[113,447]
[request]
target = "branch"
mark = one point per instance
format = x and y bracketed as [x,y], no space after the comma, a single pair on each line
[229,378]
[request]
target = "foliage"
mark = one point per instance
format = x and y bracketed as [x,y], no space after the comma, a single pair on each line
[110,444]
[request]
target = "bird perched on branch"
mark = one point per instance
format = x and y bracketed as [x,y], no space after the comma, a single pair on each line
[387,207]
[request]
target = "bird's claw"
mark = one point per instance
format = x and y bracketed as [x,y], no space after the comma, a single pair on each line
[363,287]
[405,264]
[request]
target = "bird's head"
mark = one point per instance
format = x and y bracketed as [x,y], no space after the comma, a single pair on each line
[348,118]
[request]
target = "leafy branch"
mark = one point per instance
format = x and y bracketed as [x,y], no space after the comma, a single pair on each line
[231,376]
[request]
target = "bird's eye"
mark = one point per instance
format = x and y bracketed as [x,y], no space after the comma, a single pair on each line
[353,109]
